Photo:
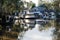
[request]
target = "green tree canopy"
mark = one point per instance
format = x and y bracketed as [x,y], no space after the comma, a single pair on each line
[56,5]
[30,5]
[10,6]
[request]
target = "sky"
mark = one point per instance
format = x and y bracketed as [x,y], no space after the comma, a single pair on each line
[34,1]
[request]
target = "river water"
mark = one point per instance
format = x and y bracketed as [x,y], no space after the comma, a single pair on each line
[39,32]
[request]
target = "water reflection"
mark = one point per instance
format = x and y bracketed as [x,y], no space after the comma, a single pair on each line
[39,32]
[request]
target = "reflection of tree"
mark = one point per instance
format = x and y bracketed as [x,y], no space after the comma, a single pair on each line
[57,8]
[20,36]
[47,25]
[56,34]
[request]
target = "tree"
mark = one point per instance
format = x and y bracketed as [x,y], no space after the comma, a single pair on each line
[10,6]
[57,8]
[30,5]
[56,5]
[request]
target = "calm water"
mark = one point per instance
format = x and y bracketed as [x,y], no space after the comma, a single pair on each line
[40,32]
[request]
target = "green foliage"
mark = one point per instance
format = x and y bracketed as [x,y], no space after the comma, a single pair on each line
[9,6]
[30,5]
[56,5]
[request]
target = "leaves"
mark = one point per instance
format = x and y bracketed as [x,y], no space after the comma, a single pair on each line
[31,5]
[56,5]
[10,6]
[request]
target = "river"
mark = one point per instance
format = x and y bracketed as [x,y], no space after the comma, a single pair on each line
[39,32]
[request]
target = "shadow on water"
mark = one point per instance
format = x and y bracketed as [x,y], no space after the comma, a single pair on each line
[39,31]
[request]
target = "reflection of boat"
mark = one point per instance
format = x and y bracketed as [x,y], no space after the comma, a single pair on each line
[41,21]
[30,23]
[30,15]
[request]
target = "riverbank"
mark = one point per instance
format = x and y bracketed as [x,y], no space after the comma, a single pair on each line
[9,36]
